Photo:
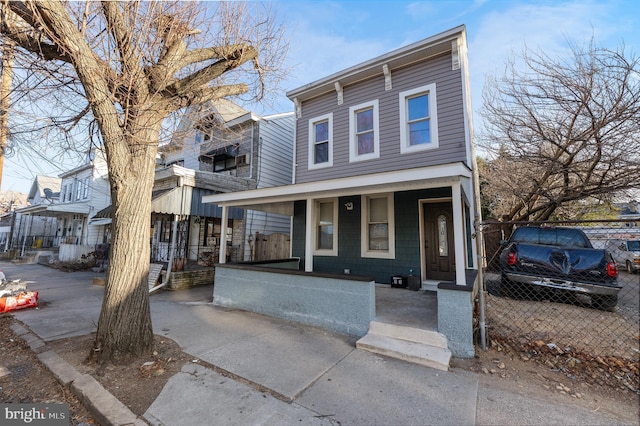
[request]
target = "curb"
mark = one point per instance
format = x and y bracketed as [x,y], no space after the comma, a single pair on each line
[107,409]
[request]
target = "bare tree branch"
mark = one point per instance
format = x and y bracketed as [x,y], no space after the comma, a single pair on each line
[561,130]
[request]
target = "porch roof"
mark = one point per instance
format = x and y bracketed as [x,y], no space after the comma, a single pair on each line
[181,200]
[55,209]
[280,199]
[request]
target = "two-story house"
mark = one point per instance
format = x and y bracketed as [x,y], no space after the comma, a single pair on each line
[218,148]
[72,201]
[83,192]
[383,167]
[230,149]
[383,170]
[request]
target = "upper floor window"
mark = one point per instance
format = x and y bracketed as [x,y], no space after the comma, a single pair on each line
[69,192]
[79,190]
[418,119]
[321,141]
[223,162]
[85,192]
[378,235]
[364,139]
[201,136]
[326,228]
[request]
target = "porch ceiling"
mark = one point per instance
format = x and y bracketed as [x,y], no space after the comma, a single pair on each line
[280,199]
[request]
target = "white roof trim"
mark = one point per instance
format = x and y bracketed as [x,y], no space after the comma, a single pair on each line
[425,177]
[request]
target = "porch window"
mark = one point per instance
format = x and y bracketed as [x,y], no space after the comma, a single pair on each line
[364,136]
[326,228]
[211,231]
[418,119]
[378,237]
[321,141]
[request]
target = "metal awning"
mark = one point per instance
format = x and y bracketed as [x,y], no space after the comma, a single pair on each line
[182,200]
[56,209]
[98,222]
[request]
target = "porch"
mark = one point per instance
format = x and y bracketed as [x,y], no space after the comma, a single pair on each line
[423,327]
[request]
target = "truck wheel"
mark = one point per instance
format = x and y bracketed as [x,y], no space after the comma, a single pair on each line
[604,303]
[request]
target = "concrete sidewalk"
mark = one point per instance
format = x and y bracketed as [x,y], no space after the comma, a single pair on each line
[285,373]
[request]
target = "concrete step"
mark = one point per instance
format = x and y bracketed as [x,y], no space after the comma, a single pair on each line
[424,347]
[411,334]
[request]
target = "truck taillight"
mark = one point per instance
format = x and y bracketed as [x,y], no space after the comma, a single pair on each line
[612,269]
[511,258]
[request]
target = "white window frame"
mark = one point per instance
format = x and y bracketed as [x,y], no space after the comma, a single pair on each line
[364,234]
[78,189]
[316,224]
[353,140]
[312,142]
[405,147]
[85,193]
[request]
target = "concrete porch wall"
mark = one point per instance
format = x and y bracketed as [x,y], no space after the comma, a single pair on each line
[345,304]
[455,315]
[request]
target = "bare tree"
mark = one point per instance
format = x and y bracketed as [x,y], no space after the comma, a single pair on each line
[132,65]
[561,130]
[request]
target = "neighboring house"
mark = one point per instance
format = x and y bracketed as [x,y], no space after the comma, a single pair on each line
[224,149]
[227,140]
[383,167]
[34,230]
[10,202]
[72,201]
[383,177]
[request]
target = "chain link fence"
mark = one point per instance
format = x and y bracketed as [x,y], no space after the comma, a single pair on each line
[567,295]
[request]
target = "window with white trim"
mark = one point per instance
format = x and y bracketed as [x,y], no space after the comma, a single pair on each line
[378,226]
[85,189]
[326,227]
[321,141]
[418,119]
[364,135]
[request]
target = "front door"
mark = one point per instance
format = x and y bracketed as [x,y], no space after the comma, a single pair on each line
[439,250]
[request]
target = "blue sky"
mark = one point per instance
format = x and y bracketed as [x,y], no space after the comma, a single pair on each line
[328,36]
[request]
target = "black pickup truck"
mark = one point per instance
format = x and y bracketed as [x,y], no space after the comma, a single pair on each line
[539,260]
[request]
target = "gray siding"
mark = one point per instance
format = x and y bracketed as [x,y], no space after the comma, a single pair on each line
[276,151]
[450,122]
[273,168]
[407,238]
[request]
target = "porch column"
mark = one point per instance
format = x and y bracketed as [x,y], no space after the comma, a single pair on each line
[308,237]
[458,233]
[222,256]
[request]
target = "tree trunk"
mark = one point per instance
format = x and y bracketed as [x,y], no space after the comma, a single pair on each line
[124,328]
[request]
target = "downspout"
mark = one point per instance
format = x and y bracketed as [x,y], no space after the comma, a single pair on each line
[172,250]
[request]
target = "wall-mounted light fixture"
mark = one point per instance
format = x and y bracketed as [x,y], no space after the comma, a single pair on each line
[349,205]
